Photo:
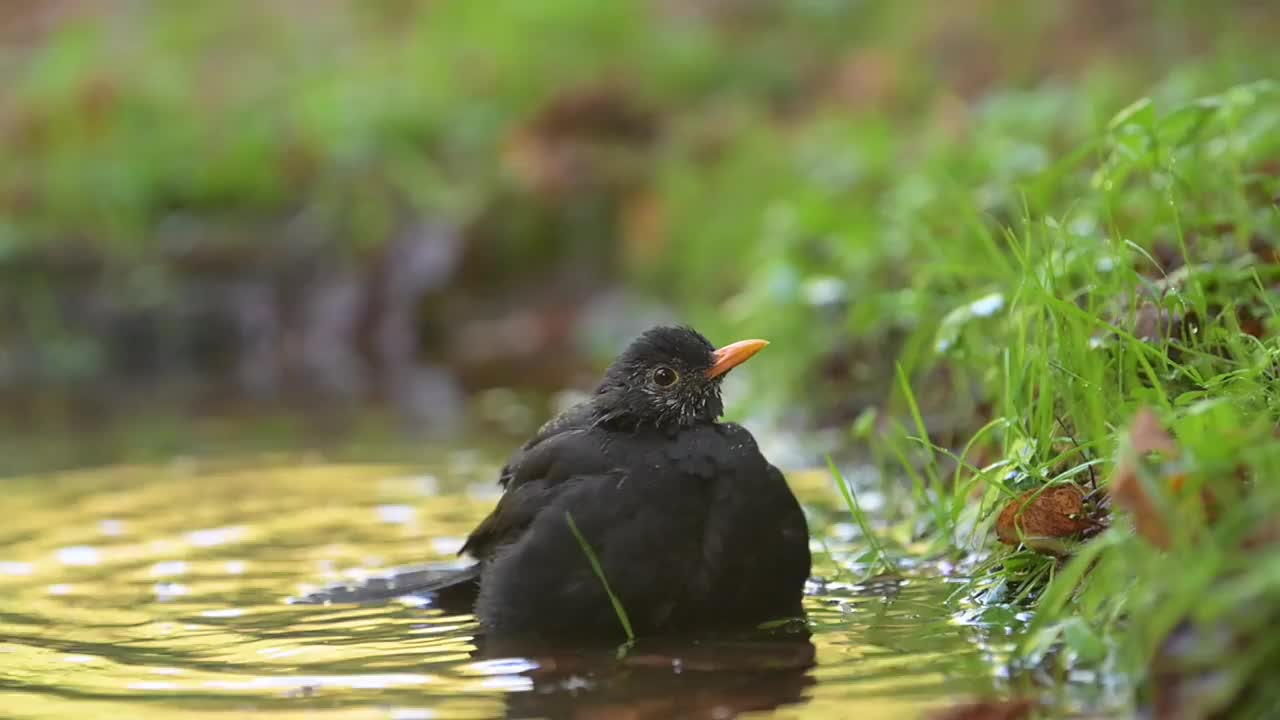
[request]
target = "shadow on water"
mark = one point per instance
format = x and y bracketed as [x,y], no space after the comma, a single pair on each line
[711,677]
[159,592]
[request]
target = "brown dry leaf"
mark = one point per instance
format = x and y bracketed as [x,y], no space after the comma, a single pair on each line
[1050,513]
[985,710]
[1148,435]
[1251,321]
[1145,436]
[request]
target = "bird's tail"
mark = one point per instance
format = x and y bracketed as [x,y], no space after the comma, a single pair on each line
[453,590]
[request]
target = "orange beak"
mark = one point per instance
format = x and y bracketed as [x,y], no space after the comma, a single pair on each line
[732,355]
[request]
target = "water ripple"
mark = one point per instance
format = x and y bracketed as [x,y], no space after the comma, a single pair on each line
[158,592]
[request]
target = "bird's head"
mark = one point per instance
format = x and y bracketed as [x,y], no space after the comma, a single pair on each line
[669,377]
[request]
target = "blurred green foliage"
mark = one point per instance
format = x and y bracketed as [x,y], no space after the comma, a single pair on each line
[116,122]
[236,110]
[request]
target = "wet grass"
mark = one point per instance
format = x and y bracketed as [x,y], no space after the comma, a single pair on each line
[1138,273]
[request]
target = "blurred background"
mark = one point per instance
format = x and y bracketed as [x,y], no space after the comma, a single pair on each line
[363,226]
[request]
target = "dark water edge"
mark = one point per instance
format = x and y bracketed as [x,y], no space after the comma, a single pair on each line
[158,423]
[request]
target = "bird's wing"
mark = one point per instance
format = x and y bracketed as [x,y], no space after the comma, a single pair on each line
[453,590]
[532,482]
[515,511]
[578,417]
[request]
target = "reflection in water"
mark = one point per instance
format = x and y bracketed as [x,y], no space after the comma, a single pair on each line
[145,592]
[718,677]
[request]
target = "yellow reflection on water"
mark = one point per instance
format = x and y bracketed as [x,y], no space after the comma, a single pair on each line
[148,592]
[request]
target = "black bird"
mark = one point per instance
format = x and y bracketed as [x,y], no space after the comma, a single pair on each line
[692,526]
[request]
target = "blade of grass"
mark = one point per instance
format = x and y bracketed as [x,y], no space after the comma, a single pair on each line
[860,517]
[940,499]
[921,492]
[587,550]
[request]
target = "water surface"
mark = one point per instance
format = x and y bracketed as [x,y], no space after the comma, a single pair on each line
[159,591]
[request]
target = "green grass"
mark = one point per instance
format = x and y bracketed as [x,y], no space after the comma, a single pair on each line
[879,557]
[623,619]
[229,113]
[139,137]
[1063,363]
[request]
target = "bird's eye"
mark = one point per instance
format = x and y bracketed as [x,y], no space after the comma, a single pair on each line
[665,377]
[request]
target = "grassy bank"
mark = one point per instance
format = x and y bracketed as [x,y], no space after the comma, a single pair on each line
[1055,311]
[1110,338]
